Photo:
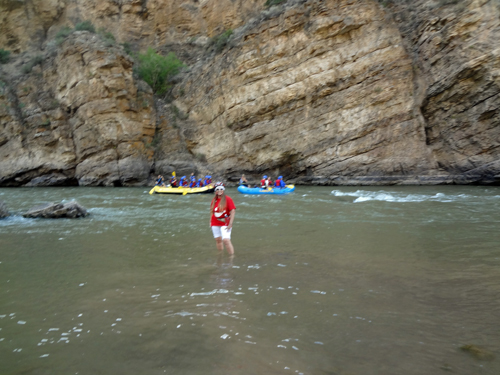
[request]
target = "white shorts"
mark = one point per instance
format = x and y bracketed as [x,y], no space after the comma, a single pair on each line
[222,232]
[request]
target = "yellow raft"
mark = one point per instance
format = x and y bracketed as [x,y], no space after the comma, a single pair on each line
[182,190]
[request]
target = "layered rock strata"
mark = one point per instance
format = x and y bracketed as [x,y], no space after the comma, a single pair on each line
[352,92]
[27,24]
[77,118]
[456,58]
[323,89]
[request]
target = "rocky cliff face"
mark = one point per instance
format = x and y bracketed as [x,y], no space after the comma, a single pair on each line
[77,118]
[322,89]
[456,55]
[26,25]
[325,92]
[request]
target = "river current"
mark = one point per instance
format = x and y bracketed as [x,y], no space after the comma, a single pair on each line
[326,280]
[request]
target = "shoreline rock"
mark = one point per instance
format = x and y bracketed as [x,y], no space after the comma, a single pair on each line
[69,210]
[4,212]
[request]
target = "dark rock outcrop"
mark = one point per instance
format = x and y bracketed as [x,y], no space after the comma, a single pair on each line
[3,210]
[57,210]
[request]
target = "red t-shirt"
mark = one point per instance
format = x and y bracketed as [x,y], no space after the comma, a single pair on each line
[229,206]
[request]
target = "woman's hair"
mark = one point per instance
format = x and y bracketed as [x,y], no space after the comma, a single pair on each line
[222,203]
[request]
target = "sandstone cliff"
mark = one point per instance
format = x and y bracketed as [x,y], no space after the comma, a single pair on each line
[456,58]
[77,118]
[323,92]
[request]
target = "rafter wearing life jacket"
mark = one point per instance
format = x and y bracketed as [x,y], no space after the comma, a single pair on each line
[263,182]
[173,180]
[192,184]
[183,182]
[279,183]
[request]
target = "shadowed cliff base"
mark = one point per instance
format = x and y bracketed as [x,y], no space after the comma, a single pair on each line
[401,180]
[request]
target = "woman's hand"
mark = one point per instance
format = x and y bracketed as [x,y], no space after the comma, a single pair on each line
[231,219]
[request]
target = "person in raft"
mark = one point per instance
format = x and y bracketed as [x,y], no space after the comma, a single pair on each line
[159,181]
[173,181]
[269,183]
[279,183]
[192,184]
[243,181]
[263,182]
[222,211]
[199,183]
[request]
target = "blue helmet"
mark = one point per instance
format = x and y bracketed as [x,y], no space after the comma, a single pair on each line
[193,178]
[265,176]
[280,177]
[183,177]
[199,180]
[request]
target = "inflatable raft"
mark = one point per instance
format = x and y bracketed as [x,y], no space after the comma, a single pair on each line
[182,190]
[286,190]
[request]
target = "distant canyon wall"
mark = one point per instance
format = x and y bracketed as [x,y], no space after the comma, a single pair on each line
[322,92]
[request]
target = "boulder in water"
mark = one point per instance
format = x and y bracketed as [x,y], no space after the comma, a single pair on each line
[57,210]
[3,210]
[478,352]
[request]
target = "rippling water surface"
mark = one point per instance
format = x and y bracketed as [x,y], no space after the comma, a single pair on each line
[327,280]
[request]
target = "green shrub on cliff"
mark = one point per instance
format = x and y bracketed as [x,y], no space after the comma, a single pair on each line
[4,56]
[108,37]
[127,48]
[220,41]
[156,69]
[270,3]
[85,26]
[26,68]
[62,34]
[66,31]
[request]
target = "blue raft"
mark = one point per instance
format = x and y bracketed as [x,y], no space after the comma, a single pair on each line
[246,190]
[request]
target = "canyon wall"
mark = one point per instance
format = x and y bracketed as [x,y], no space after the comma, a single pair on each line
[456,54]
[27,25]
[320,91]
[77,118]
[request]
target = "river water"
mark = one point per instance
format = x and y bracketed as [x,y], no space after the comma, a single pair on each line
[326,280]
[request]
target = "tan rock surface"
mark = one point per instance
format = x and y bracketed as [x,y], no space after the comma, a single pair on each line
[25,24]
[78,118]
[322,89]
[456,52]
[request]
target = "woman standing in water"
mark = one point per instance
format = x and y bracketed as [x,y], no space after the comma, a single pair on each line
[222,211]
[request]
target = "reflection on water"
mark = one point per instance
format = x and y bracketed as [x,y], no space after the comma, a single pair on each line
[324,281]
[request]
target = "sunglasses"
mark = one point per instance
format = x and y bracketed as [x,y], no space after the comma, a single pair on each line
[219,188]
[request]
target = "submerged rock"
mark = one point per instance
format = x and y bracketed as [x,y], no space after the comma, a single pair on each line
[478,352]
[57,210]
[3,210]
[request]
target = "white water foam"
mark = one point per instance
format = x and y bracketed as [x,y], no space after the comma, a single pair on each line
[223,291]
[384,196]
